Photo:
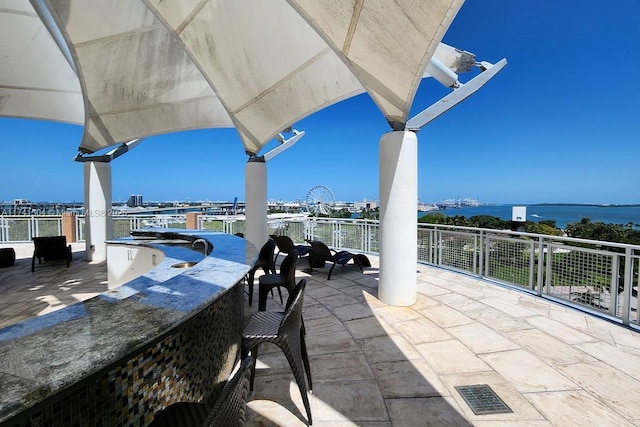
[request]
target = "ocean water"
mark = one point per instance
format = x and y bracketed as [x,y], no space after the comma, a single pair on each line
[562,215]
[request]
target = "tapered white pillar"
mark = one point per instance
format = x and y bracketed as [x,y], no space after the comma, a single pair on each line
[97,209]
[398,218]
[255,227]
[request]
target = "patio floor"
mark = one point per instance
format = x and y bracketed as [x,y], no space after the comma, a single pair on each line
[376,365]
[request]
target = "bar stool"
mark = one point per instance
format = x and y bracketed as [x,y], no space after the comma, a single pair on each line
[265,261]
[285,330]
[229,408]
[286,278]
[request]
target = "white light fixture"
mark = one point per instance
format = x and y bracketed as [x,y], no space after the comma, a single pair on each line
[460,93]
[285,144]
[111,154]
[442,73]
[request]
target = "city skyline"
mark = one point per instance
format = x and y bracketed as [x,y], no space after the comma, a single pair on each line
[556,125]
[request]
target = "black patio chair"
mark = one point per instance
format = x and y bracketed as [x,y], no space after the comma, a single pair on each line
[321,253]
[286,278]
[265,261]
[229,409]
[286,330]
[52,248]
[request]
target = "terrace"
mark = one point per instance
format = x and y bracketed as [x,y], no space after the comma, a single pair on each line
[87,76]
[374,364]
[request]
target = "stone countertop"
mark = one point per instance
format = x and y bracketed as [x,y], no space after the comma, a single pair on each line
[44,355]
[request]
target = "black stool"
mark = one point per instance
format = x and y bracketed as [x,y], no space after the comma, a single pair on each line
[286,330]
[7,257]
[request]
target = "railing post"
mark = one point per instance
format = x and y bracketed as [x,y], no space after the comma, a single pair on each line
[366,244]
[433,255]
[548,256]
[307,230]
[483,253]
[532,264]
[541,257]
[476,238]
[34,230]
[439,246]
[613,285]
[487,255]
[79,228]
[627,286]
[3,230]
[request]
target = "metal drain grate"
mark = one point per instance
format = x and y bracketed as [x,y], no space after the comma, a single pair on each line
[482,399]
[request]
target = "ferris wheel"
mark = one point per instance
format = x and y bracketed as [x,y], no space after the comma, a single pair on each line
[320,200]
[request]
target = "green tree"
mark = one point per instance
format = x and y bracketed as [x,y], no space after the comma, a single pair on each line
[369,213]
[341,213]
[548,222]
[543,227]
[488,221]
[585,229]
[433,218]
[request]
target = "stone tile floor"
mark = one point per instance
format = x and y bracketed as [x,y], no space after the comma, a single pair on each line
[51,286]
[374,365]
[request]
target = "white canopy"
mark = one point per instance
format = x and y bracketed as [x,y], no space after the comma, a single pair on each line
[132,68]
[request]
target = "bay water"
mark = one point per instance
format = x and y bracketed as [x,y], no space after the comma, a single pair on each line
[561,214]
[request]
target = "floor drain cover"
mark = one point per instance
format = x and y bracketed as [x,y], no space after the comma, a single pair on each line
[482,399]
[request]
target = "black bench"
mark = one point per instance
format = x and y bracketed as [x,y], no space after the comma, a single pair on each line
[50,249]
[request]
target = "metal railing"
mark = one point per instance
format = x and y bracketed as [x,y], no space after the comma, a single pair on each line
[21,229]
[594,276]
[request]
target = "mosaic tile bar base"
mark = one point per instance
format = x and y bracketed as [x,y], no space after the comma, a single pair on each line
[189,364]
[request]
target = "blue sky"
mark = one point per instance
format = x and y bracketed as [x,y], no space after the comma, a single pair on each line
[558,124]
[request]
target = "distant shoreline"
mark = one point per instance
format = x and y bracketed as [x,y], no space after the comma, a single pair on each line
[598,205]
[561,213]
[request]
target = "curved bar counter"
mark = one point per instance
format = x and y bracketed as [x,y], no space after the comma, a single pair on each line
[171,334]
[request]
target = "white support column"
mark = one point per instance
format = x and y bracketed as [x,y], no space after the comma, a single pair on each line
[398,218]
[255,228]
[97,209]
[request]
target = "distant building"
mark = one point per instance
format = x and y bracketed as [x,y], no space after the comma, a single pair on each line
[458,203]
[365,204]
[135,200]
[427,207]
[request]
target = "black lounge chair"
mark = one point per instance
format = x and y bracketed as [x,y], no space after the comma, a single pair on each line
[286,245]
[229,408]
[320,253]
[50,248]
